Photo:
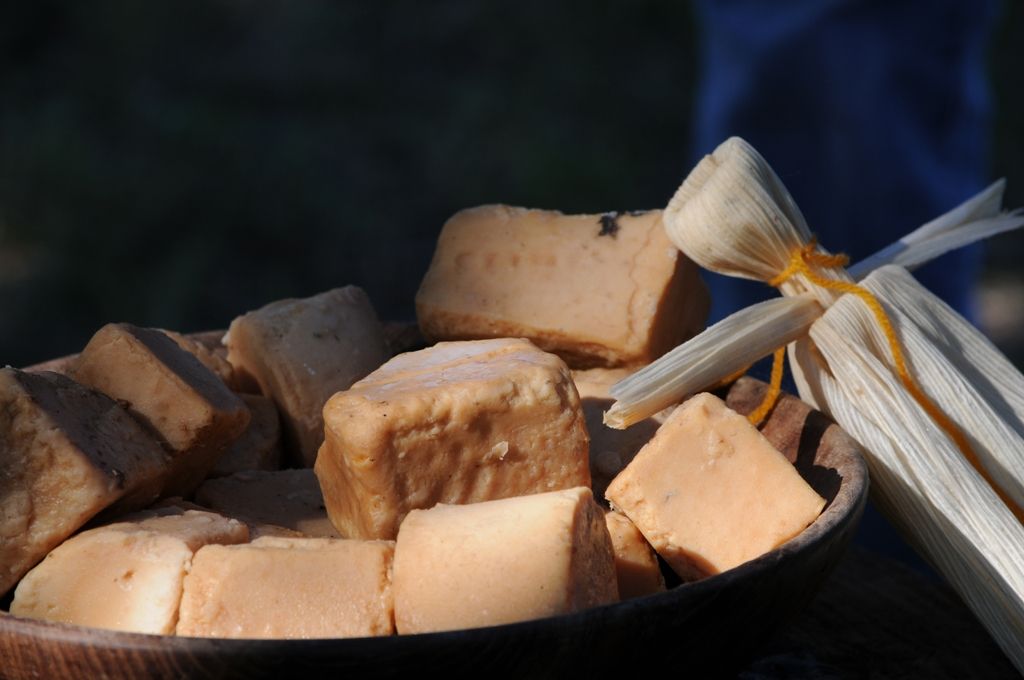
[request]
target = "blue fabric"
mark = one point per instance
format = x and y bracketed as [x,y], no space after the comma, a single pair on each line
[874,114]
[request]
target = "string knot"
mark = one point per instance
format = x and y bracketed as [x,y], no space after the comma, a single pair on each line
[803,258]
[800,261]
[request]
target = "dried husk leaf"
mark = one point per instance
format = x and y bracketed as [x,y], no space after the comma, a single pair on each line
[978,553]
[733,216]
[977,218]
[721,350]
[990,417]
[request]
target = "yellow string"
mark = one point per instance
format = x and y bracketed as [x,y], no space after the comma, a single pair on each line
[800,262]
[729,379]
[796,261]
[774,388]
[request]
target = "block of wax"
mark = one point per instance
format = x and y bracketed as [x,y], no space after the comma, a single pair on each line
[173,393]
[514,559]
[637,570]
[709,492]
[459,422]
[256,529]
[598,290]
[611,450]
[300,352]
[261,530]
[290,588]
[259,446]
[212,356]
[66,453]
[125,576]
[284,498]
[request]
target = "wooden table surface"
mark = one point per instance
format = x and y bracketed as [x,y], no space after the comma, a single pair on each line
[877,618]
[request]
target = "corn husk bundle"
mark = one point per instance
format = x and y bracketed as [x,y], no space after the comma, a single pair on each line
[732,215]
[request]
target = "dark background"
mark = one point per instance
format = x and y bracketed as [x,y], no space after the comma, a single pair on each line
[174,164]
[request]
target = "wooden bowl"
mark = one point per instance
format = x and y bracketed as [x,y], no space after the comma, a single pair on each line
[713,625]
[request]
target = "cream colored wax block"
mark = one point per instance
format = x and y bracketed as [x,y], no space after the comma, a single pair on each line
[66,453]
[290,588]
[125,576]
[259,446]
[284,498]
[169,390]
[636,566]
[598,290]
[303,351]
[514,559]
[459,422]
[709,492]
[611,450]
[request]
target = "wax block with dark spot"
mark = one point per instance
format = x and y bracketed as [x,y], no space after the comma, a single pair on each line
[597,290]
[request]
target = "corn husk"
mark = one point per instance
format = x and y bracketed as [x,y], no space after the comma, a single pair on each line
[721,350]
[977,218]
[733,215]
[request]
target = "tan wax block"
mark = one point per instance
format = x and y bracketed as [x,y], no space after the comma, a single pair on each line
[514,559]
[285,498]
[257,531]
[213,356]
[303,351]
[709,492]
[169,390]
[459,422]
[125,576]
[636,566]
[63,365]
[290,588]
[175,502]
[611,450]
[66,453]
[194,527]
[259,446]
[598,290]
